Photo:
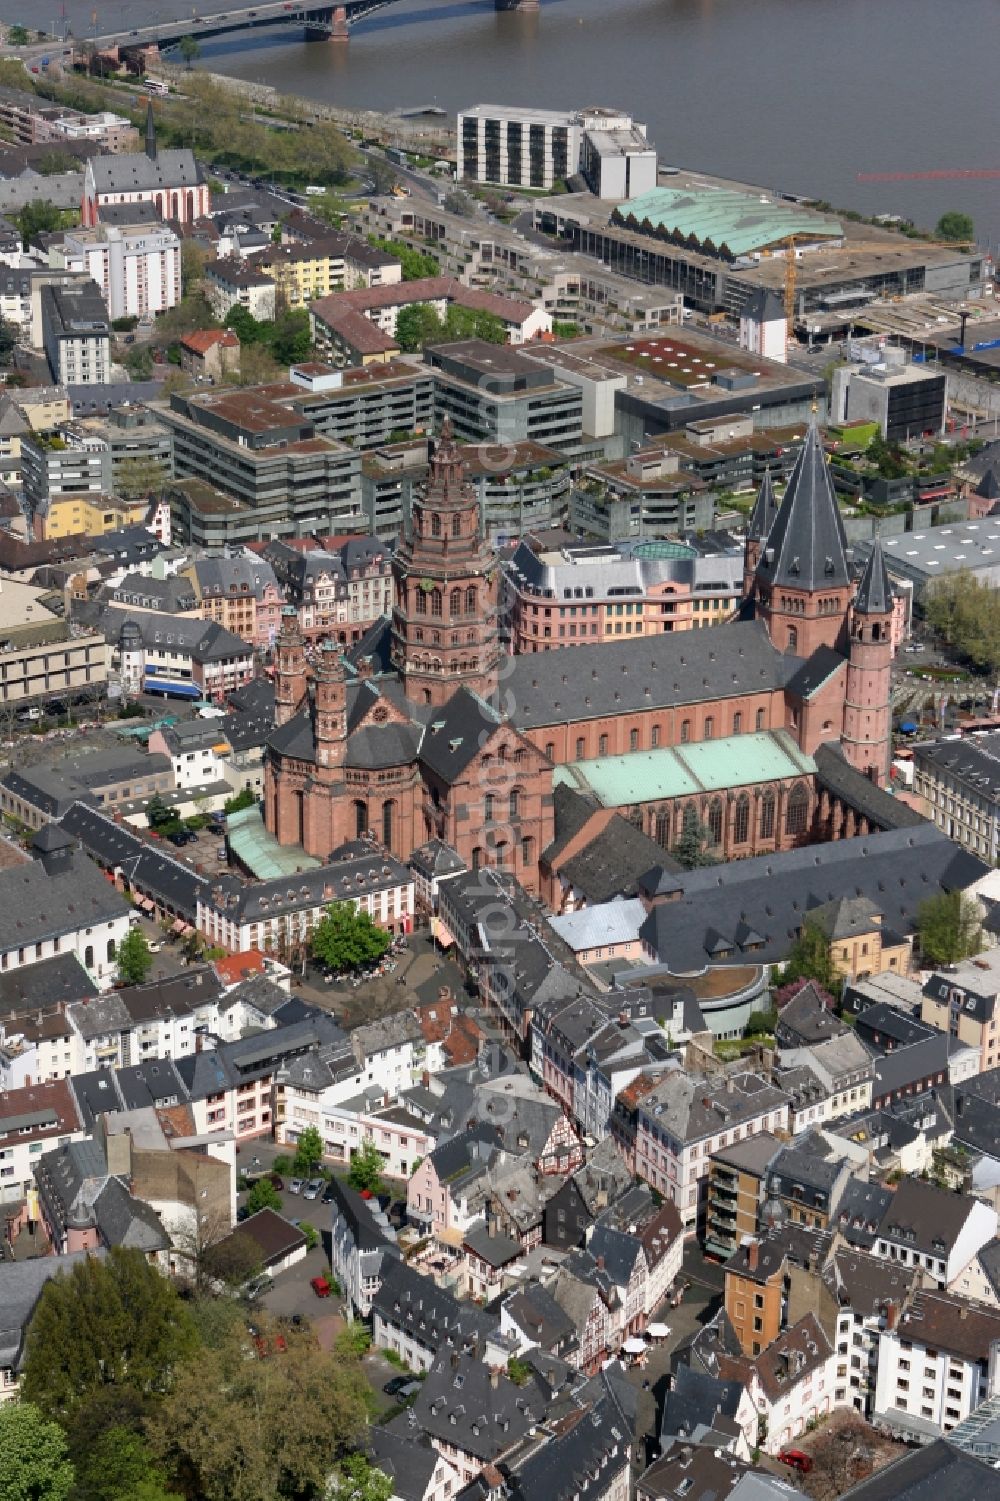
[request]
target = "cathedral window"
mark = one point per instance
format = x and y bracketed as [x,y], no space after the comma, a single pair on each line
[685,731]
[633,739]
[527,851]
[761,717]
[654,736]
[456,526]
[709,727]
[715,820]
[767,816]
[797,812]
[602,746]
[741,822]
[470,599]
[793,638]
[435,525]
[437,603]
[421,602]
[737,723]
[455,602]
[580,748]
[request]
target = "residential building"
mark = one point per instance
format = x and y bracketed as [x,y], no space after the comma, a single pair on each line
[57,905]
[935,1366]
[367,406]
[66,463]
[959,782]
[737,1191]
[32,121]
[446,1192]
[539,148]
[45,655]
[362,1246]
[35,794]
[419,1320]
[939,1469]
[459,1392]
[240,594]
[338,589]
[792,1382]
[175,656]
[164,1018]
[84,1204]
[36,410]
[137,268]
[934,1230]
[964,1001]
[35,1118]
[210,352]
[415,1468]
[171,181]
[76,334]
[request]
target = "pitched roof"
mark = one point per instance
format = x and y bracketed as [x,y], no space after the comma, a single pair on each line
[875,591]
[807,546]
[429,1312]
[927,1474]
[925,1218]
[457,733]
[765,509]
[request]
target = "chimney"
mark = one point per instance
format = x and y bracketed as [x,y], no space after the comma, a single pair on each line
[600,1263]
[753,1255]
[891,1315]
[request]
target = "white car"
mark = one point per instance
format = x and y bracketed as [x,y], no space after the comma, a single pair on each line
[313,1188]
[296,1186]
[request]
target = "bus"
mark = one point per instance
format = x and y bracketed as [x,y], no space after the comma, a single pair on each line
[157,86]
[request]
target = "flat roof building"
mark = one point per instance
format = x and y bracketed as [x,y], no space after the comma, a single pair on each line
[76,334]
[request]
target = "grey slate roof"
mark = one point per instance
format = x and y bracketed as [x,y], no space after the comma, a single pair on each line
[765,510]
[21,1285]
[38,904]
[359,874]
[935,1216]
[458,1404]
[45,984]
[171,882]
[428,1312]
[614,678]
[456,734]
[807,546]
[860,793]
[928,1474]
[875,591]
[692,1404]
[409,1462]
[129,172]
[203,640]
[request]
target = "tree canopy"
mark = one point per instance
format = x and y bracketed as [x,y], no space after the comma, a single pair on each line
[366,1168]
[114,1323]
[308,1151]
[949,928]
[263,1195]
[34,1464]
[810,959]
[692,847]
[346,938]
[134,959]
[955,226]
[287,338]
[967,614]
[418,324]
[38,216]
[357,1479]
[118,1466]
[415,264]
[139,477]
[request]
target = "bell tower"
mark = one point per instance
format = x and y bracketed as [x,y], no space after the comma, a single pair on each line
[330,708]
[761,521]
[867,737]
[444,623]
[290,667]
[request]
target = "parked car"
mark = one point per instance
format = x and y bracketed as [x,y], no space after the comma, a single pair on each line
[277,1181]
[313,1188]
[395,1386]
[328,1194]
[320,1287]
[256,1289]
[296,1186]
[796,1459]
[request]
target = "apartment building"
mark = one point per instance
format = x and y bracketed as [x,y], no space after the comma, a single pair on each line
[233,283]
[365,406]
[33,1120]
[160,1019]
[503,396]
[42,655]
[959,781]
[136,268]
[736,1193]
[32,122]
[69,461]
[936,1364]
[964,1001]
[338,589]
[76,334]
[176,656]
[241,594]
[936,1232]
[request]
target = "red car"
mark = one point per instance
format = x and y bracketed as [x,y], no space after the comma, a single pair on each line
[796,1459]
[320,1287]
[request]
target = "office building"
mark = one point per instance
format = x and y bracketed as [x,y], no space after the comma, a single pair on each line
[41,655]
[76,334]
[498,395]
[907,401]
[538,148]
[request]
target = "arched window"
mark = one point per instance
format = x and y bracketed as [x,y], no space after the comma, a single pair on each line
[741,822]
[761,718]
[654,736]
[580,748]
[737,723]
[470,600]
[685,731]
[421,602]
[488,802]
[360,817]
[715,820]
[501,854]
[633,739]
[436,602]
[514,802]
[388,814]
[455,602]
[550,749]
[527,851]
[663,829]
[602,746]
[477,858]
[456,526]
[767,807]
[797,813]
[435,525]
[709,727]
[793,638]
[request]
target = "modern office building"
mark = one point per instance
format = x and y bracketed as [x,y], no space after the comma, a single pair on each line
[63,462]
[906,400]
[76,334]
[538,148]
[365,407]
[498,395]
[41,655]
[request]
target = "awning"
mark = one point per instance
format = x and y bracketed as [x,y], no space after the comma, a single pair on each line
[634,1346]
[908,727]
[658,1331]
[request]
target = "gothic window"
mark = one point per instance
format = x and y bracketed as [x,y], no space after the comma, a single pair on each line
[737,723]
[741,823]
[515,802]
[663,829]
[488,802]
[761,717]
[715,820]
[437,603]
[654,736]
[527,851]
[456,526]
[602,746]
[455,602]
[767,815]
[580,748]
[685,731]
[470,599]
[709,727]
[793,638]
[798,811]
[633,739]
[435,525]
[360,818]
[421,602]
[477,858]
[387,818]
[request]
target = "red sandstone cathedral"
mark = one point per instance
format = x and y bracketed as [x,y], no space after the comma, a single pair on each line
[425,730]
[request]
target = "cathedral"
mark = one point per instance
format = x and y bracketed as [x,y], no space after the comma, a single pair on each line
[426,730]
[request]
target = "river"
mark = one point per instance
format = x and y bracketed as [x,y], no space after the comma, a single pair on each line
[800,95]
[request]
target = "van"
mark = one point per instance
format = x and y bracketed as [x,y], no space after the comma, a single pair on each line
[29,716]
[314,191]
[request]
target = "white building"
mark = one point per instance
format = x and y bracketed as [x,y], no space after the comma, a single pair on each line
[137,267]
[536,148]
[935,1231]
[793,1383]
[76,334]
[33,1120]
[763,326]
[64,906]
[936,1366]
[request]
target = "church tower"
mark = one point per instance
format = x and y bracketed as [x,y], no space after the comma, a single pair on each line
[803,581]
[330,709]
[290,667]
[444,623]
[761,521]
[867,737]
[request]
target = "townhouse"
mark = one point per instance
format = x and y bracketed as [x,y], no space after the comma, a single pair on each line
[870,1296]
[414,1467]
[33,1120]
[475,1415]
[792,1383]
[61,904]
[420,1321]
[964,1001]
[241,594]
[446,1192]
[937,1363]
[165,1018]
[934,1231]
[843,1065]
[362,1244]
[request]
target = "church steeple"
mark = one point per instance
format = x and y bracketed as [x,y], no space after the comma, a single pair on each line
[150,132]
[762,518]
[875,592]
[444,625]
[867,734]
[803,577]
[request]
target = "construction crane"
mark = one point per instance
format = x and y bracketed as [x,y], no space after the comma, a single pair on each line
[939,174]
[791,279]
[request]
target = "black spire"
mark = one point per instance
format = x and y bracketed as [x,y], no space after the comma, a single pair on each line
[806,547]
[874,596]
[150,132]
[764,511]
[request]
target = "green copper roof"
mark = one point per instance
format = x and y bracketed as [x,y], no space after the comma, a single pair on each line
[727,217]
[259,852]
[645,776]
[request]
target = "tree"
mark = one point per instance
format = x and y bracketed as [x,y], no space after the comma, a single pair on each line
[140,477]
[114,1324]
[33,1461]
[189,49]
[263,1195]
[134,958]
[416,325]
[118,1466]
[17,36]
[157,812]
[841,1458]
[955,226]
[54,163]
[357,1479]
[291,337]
[139,362]
[366,1168]
[470,323]
[966,613]
[691,849]
[245,799]
[311,1234]
[949,928]
[8,341]
[810,959]
[234,1429]
[346,938]
[209,1254]
[308,1151]
[37,217]
[415,264]
[193,262]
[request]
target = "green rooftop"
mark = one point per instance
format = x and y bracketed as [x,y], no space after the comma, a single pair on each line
[712,766]
[260,852]
[739,221]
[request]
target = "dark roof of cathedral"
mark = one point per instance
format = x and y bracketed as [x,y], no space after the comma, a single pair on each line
[807,546]
[764,511]
[375,645]
[874,596]
[815,671]
[456,733]
[989,485]
[380,745]
[860,793]
[622,677]
[295,737]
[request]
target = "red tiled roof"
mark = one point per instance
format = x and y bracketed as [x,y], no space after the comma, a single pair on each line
[424,289]
[236,967]
[204,339]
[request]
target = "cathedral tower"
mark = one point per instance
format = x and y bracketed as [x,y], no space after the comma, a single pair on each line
[330,709]
[762,519]
[867,737]
[803,581]
[290,667]
[444,623]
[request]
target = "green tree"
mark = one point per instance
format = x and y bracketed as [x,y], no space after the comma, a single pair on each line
[691,849]
[245,326]
[366,1168]
[810,959]
[472,323]
[308,1151]
[37,217]
[17,36]
[139,362]
[949,928]
[416,325]
[139,477]
[157,812]
[263,1195]
[245,799]
[346,938]
[111,1327]
[357,1479]
[966,613]
[311,1234]
[34,1465]
[8,342]
[194,259]
[134,959]
[955,226]
[188,49]
[354,1341]
[415,264]
[290,337]
[53,163]
[260,1430]
[118,1466]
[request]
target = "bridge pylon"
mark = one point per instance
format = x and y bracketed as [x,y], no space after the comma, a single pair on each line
[523,7]
[330,27]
